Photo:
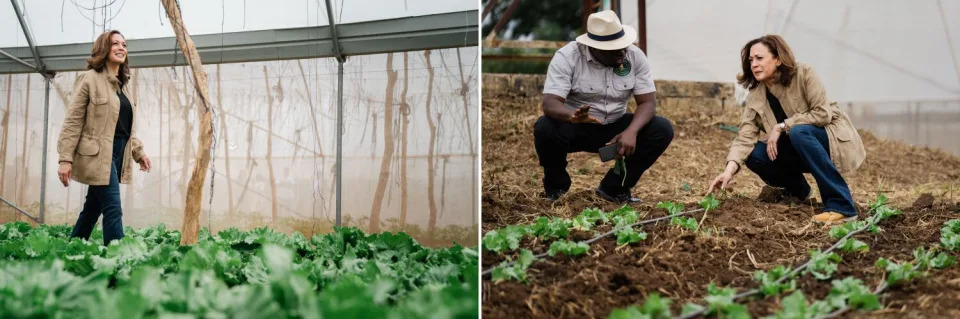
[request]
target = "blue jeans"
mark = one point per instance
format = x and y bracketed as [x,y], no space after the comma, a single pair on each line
[805,150]
[104,199]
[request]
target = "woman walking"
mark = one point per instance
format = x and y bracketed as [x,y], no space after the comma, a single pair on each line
[98,140]
[804,132]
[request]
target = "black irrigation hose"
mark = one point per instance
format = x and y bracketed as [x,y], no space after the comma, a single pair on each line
[788,275]
[598,237]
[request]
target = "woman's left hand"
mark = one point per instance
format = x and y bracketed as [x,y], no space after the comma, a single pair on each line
[144,164]
[772,139]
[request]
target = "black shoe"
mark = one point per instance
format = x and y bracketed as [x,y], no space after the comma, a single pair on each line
[553,195]
[622,198]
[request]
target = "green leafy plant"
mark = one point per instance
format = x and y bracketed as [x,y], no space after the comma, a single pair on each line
[545,228]
[822,266]
[517,271]
[505,239]
[883,212]
[768,281]
[795,306]
[853,293]
[950,235]
[684,222]
[257,273]
[720,302]
[588,218]
[838,232]
[567,248]
[671,207]
[628,235]
[896,272]
[623,216]
[654,307]
[927,259]
[709,203]
[854,245]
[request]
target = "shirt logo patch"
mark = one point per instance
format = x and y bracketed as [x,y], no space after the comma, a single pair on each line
[623,69]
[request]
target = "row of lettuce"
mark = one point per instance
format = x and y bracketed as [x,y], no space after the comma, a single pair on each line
[233,274]
[845,294]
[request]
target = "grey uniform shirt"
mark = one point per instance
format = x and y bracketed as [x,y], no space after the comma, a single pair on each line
[575,76]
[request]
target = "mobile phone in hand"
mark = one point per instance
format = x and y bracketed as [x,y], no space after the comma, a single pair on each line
[609,152]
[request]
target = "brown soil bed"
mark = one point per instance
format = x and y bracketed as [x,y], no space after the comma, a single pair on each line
[740,237]
[678,264]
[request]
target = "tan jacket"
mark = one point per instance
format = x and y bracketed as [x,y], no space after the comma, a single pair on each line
[90,121]
[804,102]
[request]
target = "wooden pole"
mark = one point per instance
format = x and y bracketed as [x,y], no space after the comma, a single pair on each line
[273,180]
[6,132]
[503,21]
[473,151]
[159,162]
[388,148]
[404,121]
[642,26]
[487,8]
[226,143]
[191,213]
[21,196]
[431,169]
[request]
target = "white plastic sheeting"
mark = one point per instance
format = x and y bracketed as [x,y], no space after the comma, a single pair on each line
[77,21]
[884,50]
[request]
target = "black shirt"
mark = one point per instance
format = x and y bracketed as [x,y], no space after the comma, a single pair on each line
[776,107]
[125,119]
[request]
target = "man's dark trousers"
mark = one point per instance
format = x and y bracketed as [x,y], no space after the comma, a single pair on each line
[555,139]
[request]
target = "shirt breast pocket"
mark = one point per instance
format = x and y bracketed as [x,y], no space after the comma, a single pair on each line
[624,86]
[588,90]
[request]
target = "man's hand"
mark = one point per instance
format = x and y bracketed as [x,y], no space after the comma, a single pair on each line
[144,164]
[628,142]
[582,115]
[772,139]
[64,173]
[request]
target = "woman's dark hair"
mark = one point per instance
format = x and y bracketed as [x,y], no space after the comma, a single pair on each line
[100,54]
[779,48]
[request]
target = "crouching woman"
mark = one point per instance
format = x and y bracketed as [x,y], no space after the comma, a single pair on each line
[804,132]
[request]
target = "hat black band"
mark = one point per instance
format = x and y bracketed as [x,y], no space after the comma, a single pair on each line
[606,37]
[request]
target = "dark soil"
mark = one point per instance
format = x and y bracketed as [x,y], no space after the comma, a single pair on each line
[740,237]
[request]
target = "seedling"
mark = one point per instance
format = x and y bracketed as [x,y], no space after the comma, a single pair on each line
[768,281]
[684,222]
[505,239]
[654,307]
[950,235]
[567,248]
[671,207]
[518,271]
[628,235]
[822,266]
[545,228]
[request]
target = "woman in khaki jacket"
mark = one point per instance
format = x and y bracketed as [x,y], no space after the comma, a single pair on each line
[804,132]
[93,144]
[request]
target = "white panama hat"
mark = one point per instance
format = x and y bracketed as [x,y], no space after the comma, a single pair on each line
[605,32]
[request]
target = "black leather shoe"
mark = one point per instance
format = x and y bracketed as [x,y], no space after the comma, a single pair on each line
[623,198]
[553,195]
